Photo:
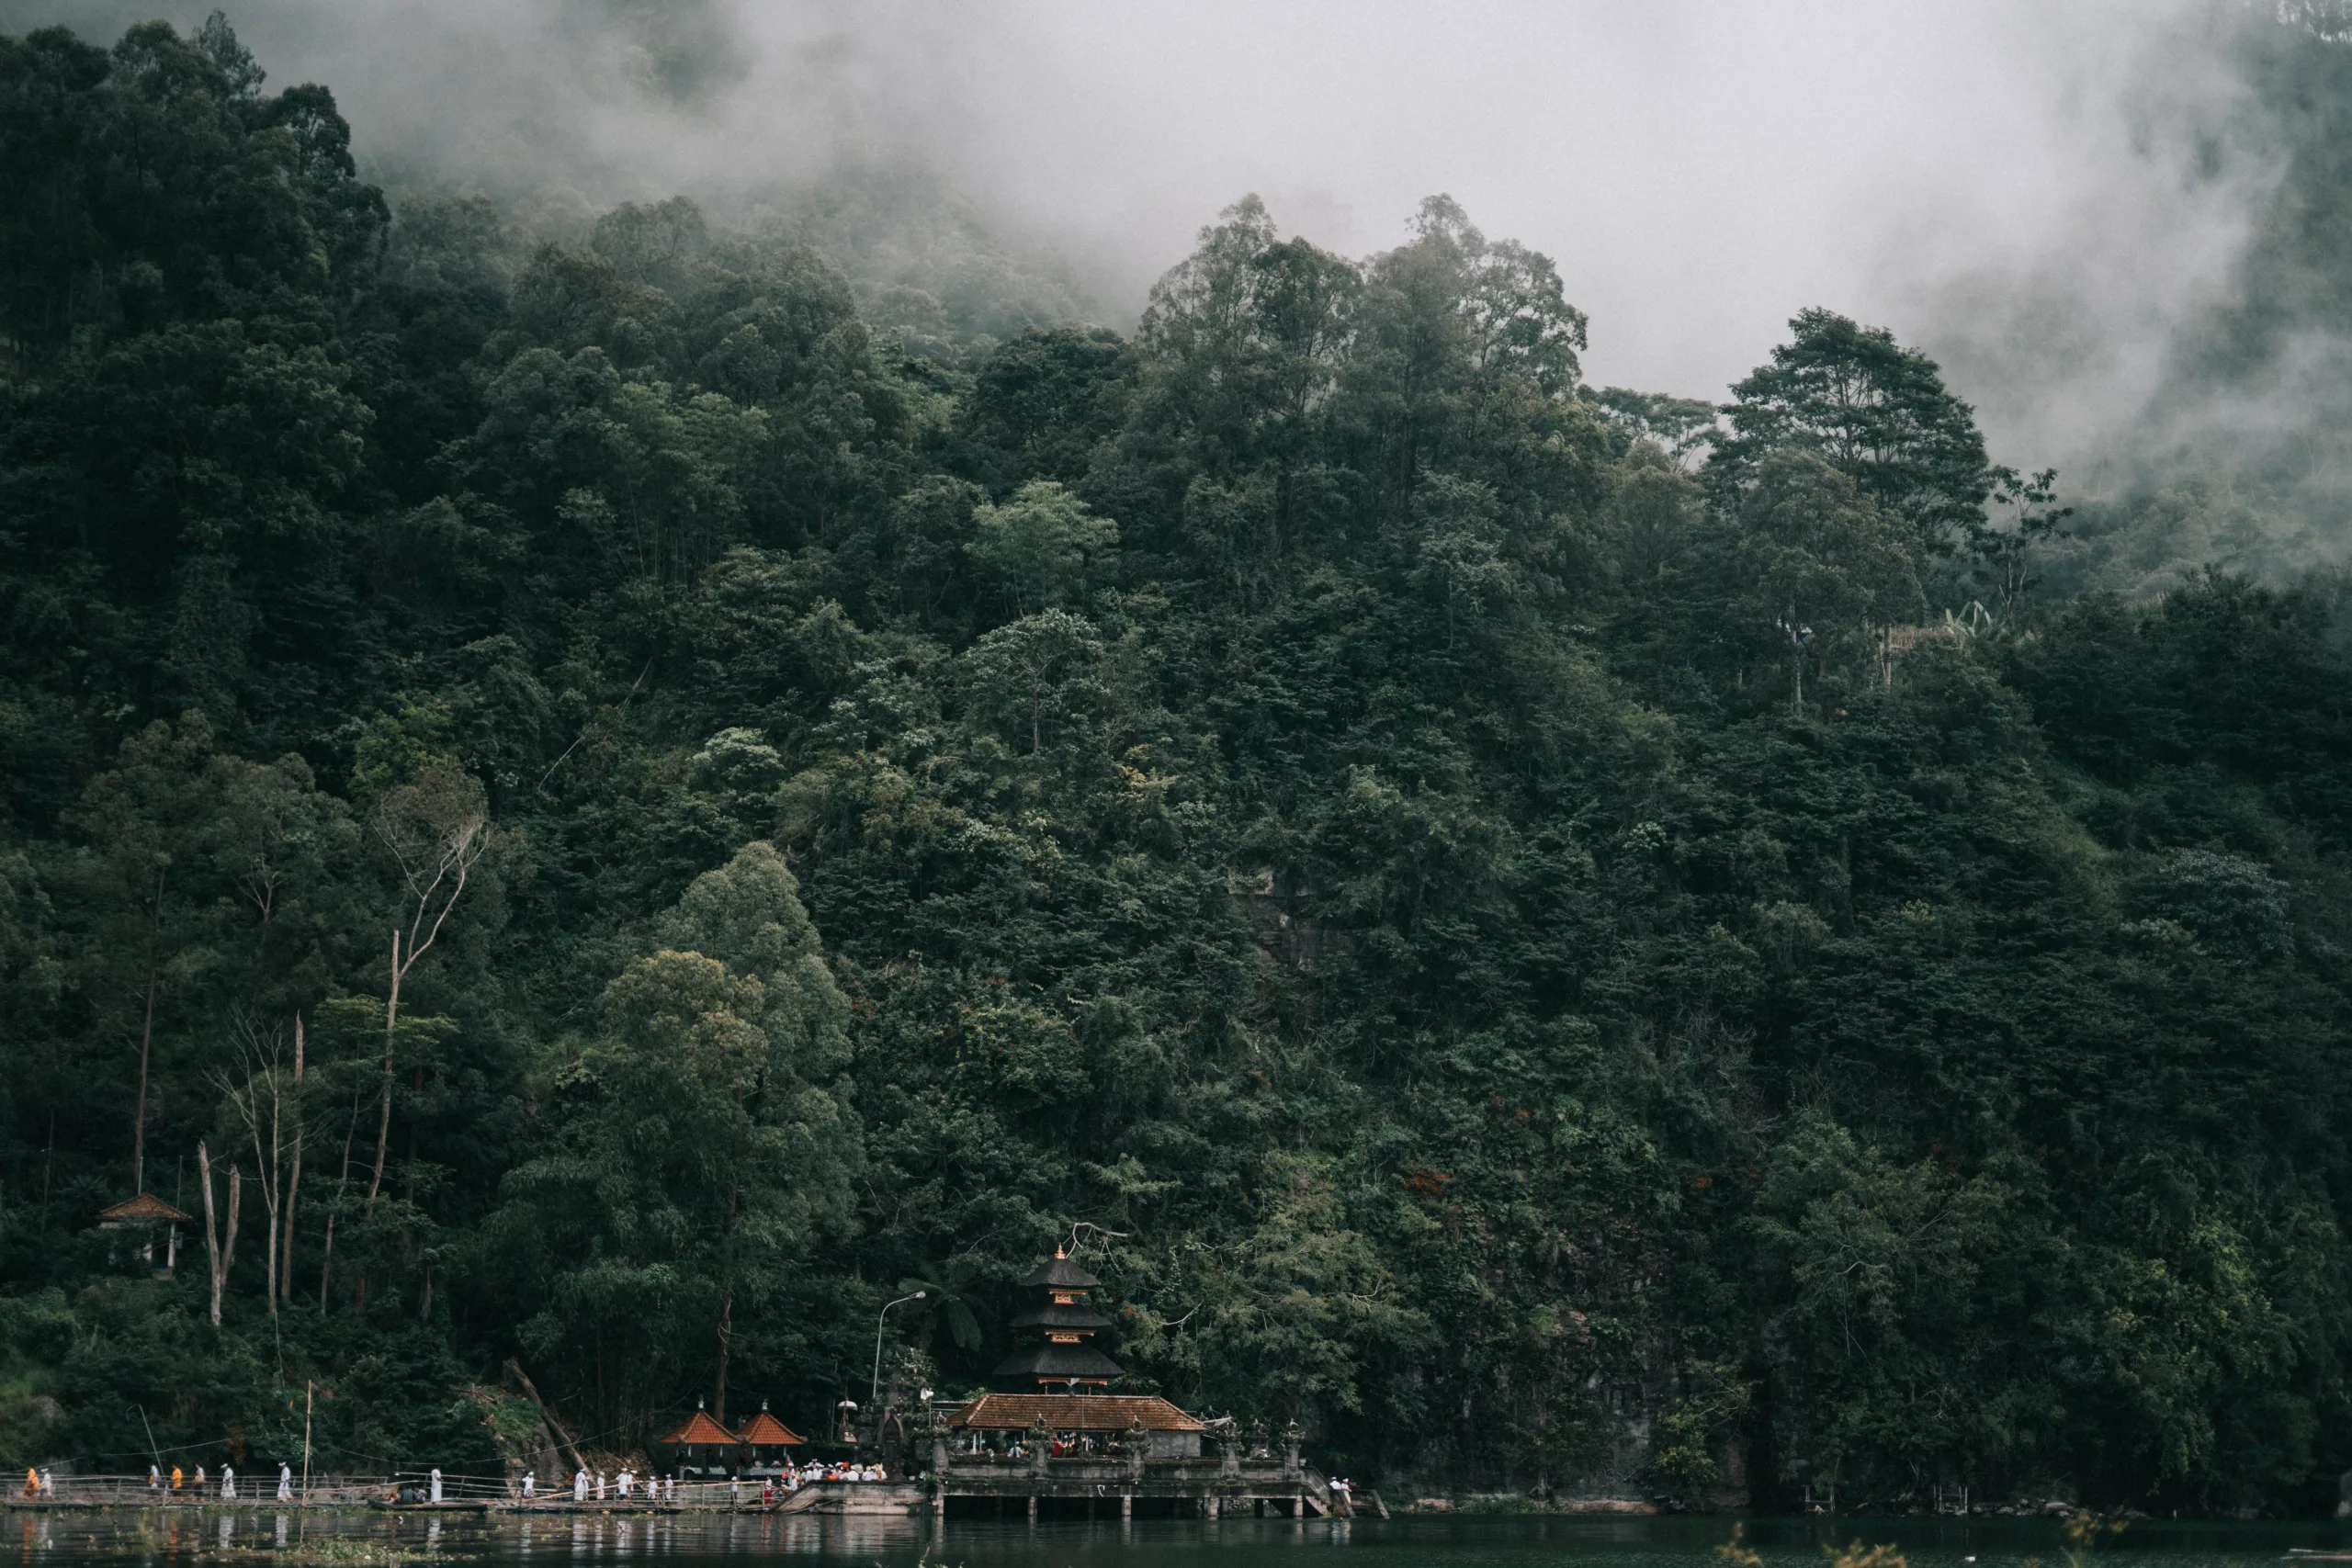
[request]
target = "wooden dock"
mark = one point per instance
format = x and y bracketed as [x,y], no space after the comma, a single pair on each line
[1220,1487]
[1108,1486]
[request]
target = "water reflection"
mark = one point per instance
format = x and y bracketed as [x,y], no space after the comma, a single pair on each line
[167,1539]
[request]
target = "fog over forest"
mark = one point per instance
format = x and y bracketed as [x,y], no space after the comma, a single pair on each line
[1612,742]
[1700,172]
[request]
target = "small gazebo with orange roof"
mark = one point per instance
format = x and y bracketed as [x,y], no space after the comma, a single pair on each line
[700,1446]
[766,1438]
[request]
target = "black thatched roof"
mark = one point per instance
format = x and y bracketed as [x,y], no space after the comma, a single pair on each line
[1061,1273]
[1031,1362]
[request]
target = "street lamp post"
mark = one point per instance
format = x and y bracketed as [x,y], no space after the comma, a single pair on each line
[875,1395]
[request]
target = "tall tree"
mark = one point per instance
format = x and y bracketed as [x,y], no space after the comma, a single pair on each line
[701,1145]
[434,830]
[1874,408]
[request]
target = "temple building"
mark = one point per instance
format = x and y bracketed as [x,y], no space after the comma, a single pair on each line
[1059,1383]
[1162,1430]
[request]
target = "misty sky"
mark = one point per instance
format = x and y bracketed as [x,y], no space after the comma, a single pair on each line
[1700,170]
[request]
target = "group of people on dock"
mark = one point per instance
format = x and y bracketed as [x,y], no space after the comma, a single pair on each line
[625,1486]
[657,1488]
[40,1484]
[661,1490]
[228,1481]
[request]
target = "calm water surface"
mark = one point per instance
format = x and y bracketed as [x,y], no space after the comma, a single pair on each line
[222,1537]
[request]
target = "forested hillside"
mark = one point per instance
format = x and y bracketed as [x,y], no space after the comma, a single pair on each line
[1563,941]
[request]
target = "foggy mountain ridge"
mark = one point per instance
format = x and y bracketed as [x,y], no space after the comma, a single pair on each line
[2037,163]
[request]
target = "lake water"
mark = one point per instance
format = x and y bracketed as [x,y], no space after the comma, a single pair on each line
[259,1536]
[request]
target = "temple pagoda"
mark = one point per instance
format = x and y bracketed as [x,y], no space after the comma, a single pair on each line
[1055,1383]
[1057,1358]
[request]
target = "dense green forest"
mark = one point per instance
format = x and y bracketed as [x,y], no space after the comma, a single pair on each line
[653,794]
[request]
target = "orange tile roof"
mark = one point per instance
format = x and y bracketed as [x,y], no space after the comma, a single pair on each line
[701,1429]
[764,1430]
[146,1206]
[1074,1412]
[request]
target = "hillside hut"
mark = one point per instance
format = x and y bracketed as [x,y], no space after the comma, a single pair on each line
[146,1215]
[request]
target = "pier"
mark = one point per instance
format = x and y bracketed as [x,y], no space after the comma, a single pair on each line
[1221,1487]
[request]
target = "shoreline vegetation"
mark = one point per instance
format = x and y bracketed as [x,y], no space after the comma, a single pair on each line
[608,817]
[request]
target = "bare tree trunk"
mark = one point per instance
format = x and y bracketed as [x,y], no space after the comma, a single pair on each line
[211,1227]
[384,1116]
[294,1183]
[555,1423]
[146,1043]
[435,871]
[262,1074]
[221,1252]
[276,1170]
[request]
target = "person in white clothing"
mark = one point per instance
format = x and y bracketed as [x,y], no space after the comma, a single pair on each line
[580,1486]
[285,1481]
[155,1479]
[436,1484]
[530,1484]
[628,1483]
[228,1483]
[600,1486]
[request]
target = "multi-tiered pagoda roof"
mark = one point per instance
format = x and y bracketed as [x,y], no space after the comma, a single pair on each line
[1055,1356]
